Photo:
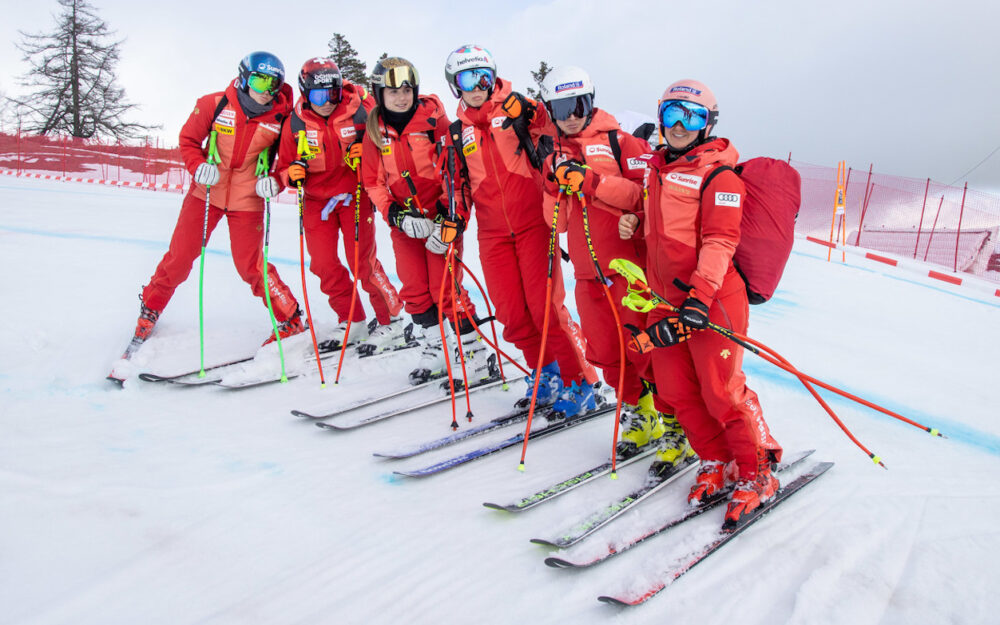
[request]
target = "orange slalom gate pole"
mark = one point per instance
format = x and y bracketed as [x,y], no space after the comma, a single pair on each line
[545,328]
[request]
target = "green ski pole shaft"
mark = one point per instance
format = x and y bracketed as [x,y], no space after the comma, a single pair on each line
[213,158]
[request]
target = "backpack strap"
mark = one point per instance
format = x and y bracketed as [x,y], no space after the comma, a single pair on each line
[223,102]
[296,124]
[360,116]
[715,172]
[616,148]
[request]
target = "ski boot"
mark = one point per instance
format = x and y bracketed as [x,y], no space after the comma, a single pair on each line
[549,387]
[574,401]
[432,362]
[642,426]
[384,338]
[672,451]
[359,332]
[751,492]
[289,327]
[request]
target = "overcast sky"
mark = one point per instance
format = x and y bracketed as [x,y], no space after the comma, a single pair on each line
[911,86]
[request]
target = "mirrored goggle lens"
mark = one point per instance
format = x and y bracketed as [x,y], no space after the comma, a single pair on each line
[580,106]
[471,79]
[403,75]
[319,97]
[262,83]
[691,115]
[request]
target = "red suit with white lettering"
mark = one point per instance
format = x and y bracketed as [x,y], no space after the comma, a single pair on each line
[329,195]
[413,151]
[610,192]
[514,238]
[239,141]
[691,235]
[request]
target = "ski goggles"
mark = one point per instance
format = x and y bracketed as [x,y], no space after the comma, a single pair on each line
[320,97]
[691,115]
[263,83]
[402,76]
[472,79]
[581,106]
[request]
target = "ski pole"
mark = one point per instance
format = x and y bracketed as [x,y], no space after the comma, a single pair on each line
[213,158]
[415,200]
[354,269]
[305,153]
[263,167]
[489,310]
[553,236]
[618,325]
[456,283]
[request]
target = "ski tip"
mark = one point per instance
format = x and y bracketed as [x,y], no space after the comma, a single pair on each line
[544,543]
[614,601]
[119,382]
[495,506]
[558,563]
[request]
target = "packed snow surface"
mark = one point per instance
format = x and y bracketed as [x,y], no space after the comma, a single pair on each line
[155,504]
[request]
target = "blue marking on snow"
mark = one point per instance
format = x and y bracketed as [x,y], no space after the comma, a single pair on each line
[391,478]
[954,430]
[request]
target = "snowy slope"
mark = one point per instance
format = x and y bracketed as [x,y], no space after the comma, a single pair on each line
[164,505]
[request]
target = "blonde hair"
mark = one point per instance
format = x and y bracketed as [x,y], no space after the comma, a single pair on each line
[372,127]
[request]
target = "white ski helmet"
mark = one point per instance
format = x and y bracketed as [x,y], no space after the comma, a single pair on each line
[566,90]
[467,57]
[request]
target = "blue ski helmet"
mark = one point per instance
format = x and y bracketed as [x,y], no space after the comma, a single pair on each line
[262,64]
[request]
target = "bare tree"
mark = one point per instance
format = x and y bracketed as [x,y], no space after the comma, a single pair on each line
[539,76]
[72,79]
[351,67]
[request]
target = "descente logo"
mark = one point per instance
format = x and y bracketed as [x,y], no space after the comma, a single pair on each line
[685,180]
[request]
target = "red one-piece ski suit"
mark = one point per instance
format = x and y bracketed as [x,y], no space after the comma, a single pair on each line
[415,151]
[691,235]
[239,141]
[329,195]
[514,238]
[613,191]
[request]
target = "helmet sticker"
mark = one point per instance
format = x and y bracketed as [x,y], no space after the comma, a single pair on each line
[576,84]
[686,89]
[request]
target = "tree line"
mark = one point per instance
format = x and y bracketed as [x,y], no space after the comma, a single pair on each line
[71,87]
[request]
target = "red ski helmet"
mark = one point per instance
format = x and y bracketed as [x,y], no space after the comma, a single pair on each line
[323,74]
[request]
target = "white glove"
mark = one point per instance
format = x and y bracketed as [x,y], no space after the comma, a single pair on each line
[434,243]
[267,187]
[206,174]
[417,227]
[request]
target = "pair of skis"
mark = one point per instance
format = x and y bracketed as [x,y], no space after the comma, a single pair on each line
[603,516]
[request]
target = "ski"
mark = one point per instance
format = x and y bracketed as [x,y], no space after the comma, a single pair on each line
[367,402]
[516,416]
[605,515]
[553,427]
[382,416]
[133,346]
[688,514]
[668,577]
[602,517]
[565,486]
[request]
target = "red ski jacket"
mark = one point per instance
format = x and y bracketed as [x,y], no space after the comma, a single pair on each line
[505,187]
[328,138]
[416,152]
[615,189]
[239,141]
[690,234]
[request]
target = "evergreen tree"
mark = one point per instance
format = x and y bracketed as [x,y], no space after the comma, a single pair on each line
[346,57]
[539,76]
[72,78]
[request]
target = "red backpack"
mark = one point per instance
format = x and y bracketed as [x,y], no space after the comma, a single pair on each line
[773,195]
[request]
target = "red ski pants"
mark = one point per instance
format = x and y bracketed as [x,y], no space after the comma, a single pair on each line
[421,271]
[322,233]
[246,240]
[703,379]
[601,331]
[516,269]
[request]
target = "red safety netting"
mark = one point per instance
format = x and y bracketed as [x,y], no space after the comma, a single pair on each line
[146,163]
[954,227]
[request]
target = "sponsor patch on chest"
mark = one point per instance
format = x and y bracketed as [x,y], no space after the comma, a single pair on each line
[273,128]
[312,138]
[635,164]
[225,123]
[727,199]
[348,131]
[600,150]
[685,180]
[469,140]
